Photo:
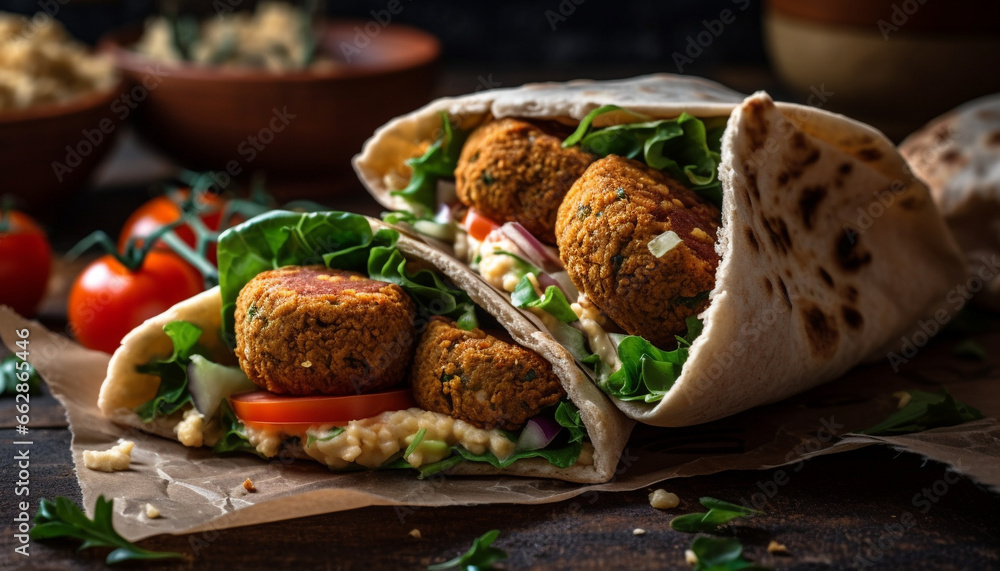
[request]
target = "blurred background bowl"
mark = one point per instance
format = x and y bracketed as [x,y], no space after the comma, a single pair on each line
[302,125]
[888,62]
[48,151]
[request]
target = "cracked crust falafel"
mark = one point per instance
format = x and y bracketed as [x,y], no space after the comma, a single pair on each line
[514,171]
[604,227]
[312,330]
[480,379]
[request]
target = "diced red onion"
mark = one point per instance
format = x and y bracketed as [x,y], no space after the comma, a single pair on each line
[537,253]
[538,433]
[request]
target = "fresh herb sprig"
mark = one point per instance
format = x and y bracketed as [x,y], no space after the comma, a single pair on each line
[480,557]
[925,411]
[61,518]
[10,366]
[719,513]
[721,554]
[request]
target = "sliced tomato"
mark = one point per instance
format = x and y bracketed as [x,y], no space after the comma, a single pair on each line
[477,225]
[265,407]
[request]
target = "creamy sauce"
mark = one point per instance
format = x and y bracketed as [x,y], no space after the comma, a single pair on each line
[592,321]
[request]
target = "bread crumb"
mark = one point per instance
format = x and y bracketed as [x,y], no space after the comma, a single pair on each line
[248,486]
[152,512]
[663,500]
[775,547]
[114,459]
[415,533]
[690,557]
[638,531]
[904,398]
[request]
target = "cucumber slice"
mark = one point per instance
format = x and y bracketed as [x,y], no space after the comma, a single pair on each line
[210,382]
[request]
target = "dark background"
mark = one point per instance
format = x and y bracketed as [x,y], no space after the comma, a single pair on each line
[635,32]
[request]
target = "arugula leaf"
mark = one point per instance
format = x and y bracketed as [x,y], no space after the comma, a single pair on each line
[568,417]
[234,436]
[554,300]
[924,411]
[62,518]
[438,161]
[969,349]
[647,372]
[560,457]
[172,394]
[685,147]
[721,554]
[10,366]
[719,513]
[480,557]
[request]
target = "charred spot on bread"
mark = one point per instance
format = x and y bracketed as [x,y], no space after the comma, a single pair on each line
[848,251]
[821,331]
[808,202]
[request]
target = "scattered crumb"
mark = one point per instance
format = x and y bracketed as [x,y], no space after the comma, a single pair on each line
[307,364]
[415,533]
[663,500]
[690,557]
[152,512]
[775,547]
[117,458]
[248,486]
[904,398]
[638,531]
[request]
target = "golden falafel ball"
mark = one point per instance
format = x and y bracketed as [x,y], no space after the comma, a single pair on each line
[312,330]
[480,379]
[514,171]
[605,225]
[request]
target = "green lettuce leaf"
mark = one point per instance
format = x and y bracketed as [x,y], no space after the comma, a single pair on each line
[480,557]
[721,554]
[568,417]
[647,372]
[438,161]
[554,301]
[172,393]
[432,295]
[687,148]
[924,411]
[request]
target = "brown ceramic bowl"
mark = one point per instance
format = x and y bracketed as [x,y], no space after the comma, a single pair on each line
[48,151]
[290,125]
[894,63]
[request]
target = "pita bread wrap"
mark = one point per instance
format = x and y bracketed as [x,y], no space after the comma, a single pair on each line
[125,388]
[958,156]
[817,274]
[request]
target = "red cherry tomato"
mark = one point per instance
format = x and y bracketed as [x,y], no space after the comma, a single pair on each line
[25,263]
[477,225]
[165,209]
[268,409]
[107,300]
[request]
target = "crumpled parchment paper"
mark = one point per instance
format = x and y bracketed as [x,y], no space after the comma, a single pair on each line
[197,491]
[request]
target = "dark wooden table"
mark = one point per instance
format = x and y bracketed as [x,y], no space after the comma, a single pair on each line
[840,511]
